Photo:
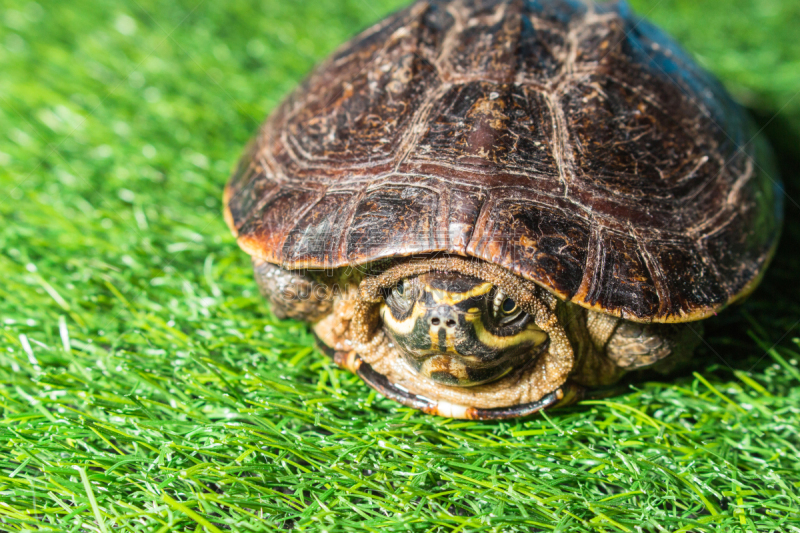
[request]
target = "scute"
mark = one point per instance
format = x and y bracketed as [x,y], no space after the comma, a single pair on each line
[647,154]
[618,276]
[393,210]
[540,240]
[572,143]
[691,283]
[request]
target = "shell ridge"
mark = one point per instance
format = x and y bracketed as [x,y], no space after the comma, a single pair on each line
[289,249]
[417,125]
[561,142]
[657,275]
[479,229]
[344,240]
[448,41]
[469,236]
[590,264]
[594,289]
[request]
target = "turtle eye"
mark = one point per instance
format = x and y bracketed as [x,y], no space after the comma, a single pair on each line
[509,306]
[505,309]
[402,293]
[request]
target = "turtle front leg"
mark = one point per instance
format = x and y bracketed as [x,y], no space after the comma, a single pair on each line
[293,293]
[659,347]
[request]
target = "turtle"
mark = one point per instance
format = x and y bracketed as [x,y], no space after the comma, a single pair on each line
[485,208]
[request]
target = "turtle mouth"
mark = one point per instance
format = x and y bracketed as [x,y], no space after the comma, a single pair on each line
[457,370]
[453,371]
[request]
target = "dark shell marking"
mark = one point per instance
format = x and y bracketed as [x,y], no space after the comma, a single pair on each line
[571,143]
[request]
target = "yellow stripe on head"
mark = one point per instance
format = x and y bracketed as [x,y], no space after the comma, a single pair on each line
[403,327]
[441,296]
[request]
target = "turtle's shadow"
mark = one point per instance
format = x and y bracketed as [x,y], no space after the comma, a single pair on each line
[772,313]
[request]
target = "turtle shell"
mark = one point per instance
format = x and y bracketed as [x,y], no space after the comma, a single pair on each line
[571,143]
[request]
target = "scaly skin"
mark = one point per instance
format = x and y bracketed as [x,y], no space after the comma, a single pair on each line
[583,351]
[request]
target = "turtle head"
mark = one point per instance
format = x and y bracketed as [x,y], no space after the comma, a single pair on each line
[459,330]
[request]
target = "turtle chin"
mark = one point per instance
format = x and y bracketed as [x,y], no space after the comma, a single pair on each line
[451,369]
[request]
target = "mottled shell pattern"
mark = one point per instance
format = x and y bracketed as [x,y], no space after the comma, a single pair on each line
[569,142]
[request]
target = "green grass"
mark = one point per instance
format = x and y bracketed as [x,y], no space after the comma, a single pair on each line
[147,387]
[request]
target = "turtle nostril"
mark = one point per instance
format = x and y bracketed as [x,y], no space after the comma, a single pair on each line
[435,321]
[450,323]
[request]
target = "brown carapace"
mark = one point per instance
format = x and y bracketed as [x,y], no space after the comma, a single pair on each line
[570,152]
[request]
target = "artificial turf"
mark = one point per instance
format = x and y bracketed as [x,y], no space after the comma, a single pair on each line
[147,387]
